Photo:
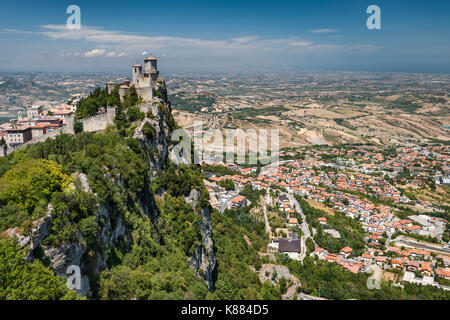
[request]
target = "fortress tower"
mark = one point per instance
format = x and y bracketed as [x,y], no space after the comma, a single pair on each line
[150,68]
[144,80]
[110,87]
[137,74]
[147,89]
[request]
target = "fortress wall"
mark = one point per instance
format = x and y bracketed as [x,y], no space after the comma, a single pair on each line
[99,122]
[92,124]
[96,123]
[44,137]
[144,92]
[49,135]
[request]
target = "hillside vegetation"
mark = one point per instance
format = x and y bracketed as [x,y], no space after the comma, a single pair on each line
[98,190]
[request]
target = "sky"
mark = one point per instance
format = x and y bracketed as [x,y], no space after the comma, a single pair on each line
[217,35]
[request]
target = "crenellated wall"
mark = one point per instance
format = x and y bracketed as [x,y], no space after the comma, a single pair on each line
[99,122]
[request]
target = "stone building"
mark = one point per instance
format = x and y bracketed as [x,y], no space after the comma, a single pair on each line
[34,111]
[16,136]
[145,80]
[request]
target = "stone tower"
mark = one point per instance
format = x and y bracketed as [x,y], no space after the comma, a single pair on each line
[144,80]
[151,73]
[137,75]
[110,87]
[123,90]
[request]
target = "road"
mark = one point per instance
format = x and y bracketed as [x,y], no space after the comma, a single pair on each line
[389,239]
[303,245]
[304,226]
[421,245]
[266,219]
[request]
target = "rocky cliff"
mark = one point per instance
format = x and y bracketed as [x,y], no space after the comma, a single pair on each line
[113,229]
[59,258]
[157,146]
[203,261]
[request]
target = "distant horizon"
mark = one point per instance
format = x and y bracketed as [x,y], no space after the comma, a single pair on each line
[231,72]
[328,35]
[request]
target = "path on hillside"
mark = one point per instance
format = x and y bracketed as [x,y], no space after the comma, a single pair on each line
[266,219]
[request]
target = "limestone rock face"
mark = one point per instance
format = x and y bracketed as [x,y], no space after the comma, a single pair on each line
[75,253]
[41,229]
[161,87]
[155,147]
[84,182]
[273,273]
[64,256]
[203,261]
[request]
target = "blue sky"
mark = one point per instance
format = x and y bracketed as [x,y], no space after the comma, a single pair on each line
[227,35]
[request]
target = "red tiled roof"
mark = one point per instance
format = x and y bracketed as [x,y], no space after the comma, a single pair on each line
[346,250]
[238,199]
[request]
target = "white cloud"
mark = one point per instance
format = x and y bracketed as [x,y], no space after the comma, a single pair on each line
[66,54]
[112,43]
[245,39]
[325,30]
[94,53]
[98,35]
[16,31]
[364,48]
[297,43]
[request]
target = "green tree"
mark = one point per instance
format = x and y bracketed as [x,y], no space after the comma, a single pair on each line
[270,292]
[21,280]
[78,127]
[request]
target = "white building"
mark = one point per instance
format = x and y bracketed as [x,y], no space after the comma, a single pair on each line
[34,111]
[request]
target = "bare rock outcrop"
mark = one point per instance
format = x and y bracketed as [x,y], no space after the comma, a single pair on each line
[203,261]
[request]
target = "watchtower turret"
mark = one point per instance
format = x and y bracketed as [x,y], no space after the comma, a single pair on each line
[110,87]
[151,69]
[137,74]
